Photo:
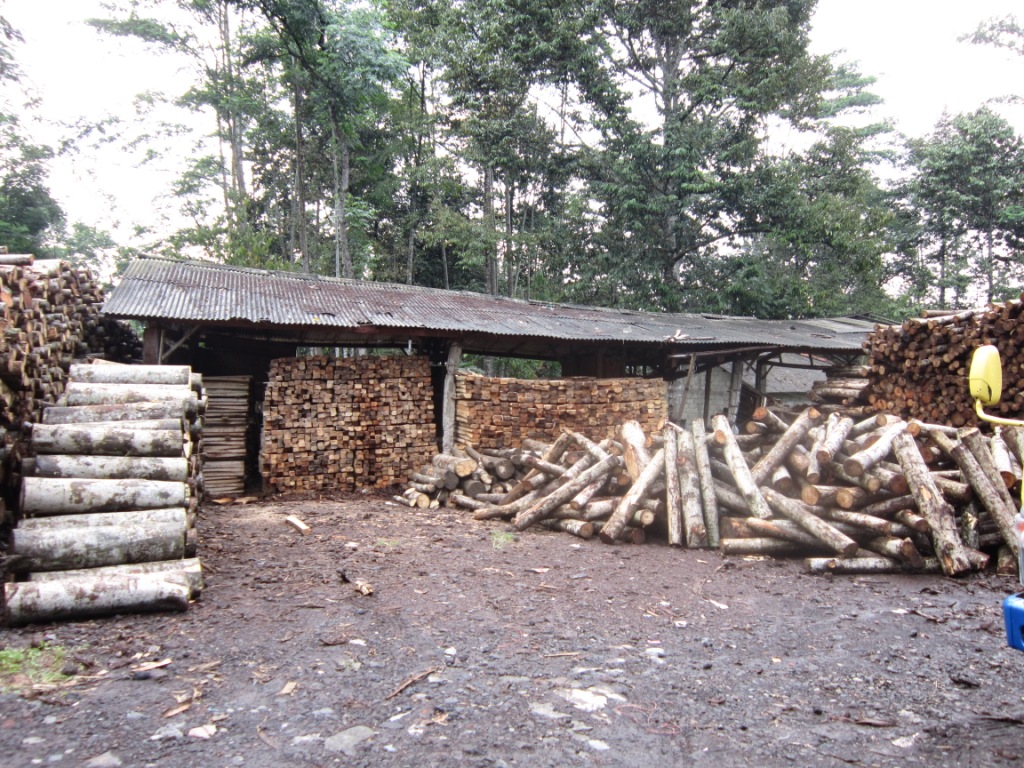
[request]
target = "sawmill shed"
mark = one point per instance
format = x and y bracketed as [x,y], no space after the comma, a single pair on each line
[231,321]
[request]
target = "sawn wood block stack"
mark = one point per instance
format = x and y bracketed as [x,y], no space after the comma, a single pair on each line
[494,413]
[342,424]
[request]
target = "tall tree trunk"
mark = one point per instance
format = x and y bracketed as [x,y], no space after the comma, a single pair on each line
[300,183]
[444,262]
[347,269]
[410,252]
[491,257]
[509,253]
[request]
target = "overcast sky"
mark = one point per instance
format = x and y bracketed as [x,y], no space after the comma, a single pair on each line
[909,45]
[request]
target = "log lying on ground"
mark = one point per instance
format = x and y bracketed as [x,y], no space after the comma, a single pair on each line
[189,568]
[59,600]
[868,565]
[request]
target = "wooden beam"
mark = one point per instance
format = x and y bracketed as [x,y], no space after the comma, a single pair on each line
[448,398]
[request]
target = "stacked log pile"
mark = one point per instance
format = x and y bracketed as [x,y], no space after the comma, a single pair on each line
[108,501]
[49,315]
[225,434]
[346,423]
[919,369]
[879,494]
[492,413]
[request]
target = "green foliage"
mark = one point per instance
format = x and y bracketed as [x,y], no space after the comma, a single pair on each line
[28,212]
[967,187]
[22,668]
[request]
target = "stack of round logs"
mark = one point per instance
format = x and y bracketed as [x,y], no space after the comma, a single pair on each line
[108,500]
[919,369]
[856,496]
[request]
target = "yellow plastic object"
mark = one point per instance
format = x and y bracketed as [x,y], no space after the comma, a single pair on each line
[986,376]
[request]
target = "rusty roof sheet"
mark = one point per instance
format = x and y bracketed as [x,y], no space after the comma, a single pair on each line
[195,292]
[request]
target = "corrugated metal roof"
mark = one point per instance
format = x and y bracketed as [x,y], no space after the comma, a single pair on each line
[191,292]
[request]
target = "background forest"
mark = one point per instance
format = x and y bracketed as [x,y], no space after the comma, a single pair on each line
[607,152]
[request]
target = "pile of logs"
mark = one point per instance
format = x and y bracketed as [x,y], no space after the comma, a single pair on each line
[919,369]
[226,434]
[880,494]
[346,423]
[492,412]
[50,313]
[108,501]
[845,388]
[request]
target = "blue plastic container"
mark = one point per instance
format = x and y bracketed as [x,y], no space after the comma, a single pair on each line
[1013,615]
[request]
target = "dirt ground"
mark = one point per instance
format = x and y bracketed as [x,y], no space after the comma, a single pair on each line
[480,648]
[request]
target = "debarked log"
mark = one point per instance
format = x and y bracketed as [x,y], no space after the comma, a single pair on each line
[177,515]
[564,493]
[115,412]
[180,375]
[44,601]
[580,528]
[190,568]
[112,467]
[933,507]
[863,565]
[63,496]
[61,549]
[739,469]
[118,394]
[106,440]
[804,516]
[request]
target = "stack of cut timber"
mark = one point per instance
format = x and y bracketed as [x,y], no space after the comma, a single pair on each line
[879,494]
[225,434]
[919,369]
[493,413]
[108,502]
[346,423]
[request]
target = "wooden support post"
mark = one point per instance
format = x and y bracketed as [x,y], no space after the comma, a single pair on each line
[448,398]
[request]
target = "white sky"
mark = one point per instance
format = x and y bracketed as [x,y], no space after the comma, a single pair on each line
[909,45]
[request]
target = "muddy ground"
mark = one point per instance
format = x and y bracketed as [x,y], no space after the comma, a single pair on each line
[478,648]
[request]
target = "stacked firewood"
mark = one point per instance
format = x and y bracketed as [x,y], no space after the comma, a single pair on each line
[346,423]
[491,412]
[226,434]
[108,501]
[879,494]
[919,369]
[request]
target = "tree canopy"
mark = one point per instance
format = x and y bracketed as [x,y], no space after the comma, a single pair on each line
[607,152]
